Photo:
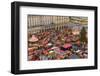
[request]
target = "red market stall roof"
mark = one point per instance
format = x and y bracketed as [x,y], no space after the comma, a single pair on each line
[33,38]
[67,45]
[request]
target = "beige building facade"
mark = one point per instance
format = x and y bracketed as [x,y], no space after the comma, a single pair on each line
[39,23]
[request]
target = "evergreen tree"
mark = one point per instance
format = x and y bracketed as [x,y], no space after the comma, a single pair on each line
[83,33]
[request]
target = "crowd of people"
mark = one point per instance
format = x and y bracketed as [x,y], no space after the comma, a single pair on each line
[56,45]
